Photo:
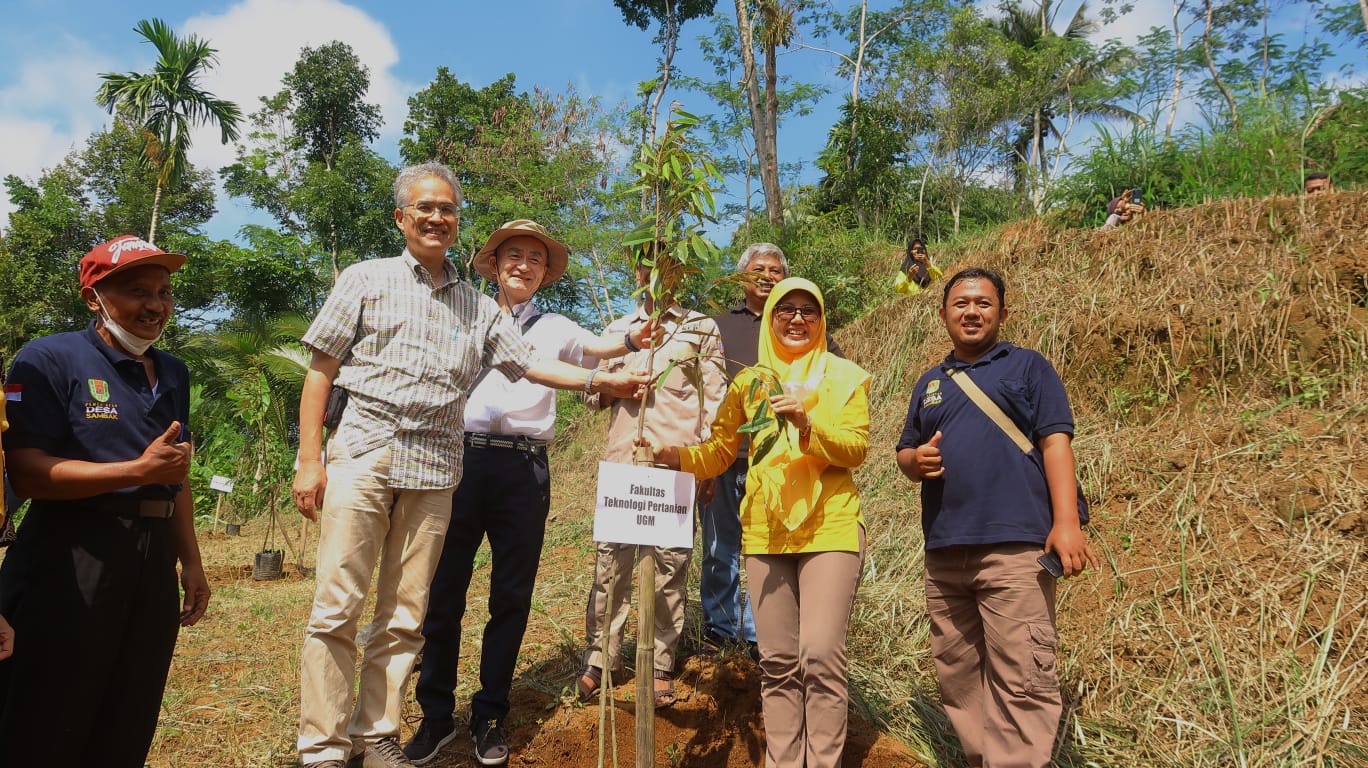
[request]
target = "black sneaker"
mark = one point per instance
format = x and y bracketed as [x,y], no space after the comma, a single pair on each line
[385,753]
[491,748]
[432,735]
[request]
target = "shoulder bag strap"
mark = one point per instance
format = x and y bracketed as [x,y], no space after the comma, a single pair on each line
[990,408]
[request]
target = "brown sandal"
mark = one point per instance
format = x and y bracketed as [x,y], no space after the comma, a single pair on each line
[664,697]
[589,682]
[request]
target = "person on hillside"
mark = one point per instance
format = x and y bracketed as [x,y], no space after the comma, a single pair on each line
[917,270]
[989,511]
[6,631]
[802,529]
[726,618]
[98,441]
[1317,183]
[504,494]
[404,340]
[1123,208]
[675,412]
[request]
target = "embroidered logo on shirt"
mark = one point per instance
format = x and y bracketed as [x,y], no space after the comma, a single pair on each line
[99,389]
[102,411]
[933,394]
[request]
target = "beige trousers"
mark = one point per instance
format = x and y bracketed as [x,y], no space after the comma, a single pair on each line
[614,566]
[992,611]
[364,519]
[802,605]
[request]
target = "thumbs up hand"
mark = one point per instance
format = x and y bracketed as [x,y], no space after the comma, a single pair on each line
[166,460]
[928,458]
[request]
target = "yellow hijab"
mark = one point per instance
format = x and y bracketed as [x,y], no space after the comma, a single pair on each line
[790,481]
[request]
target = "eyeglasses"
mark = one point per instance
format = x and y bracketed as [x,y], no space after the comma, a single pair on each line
[425,210]
[786,312]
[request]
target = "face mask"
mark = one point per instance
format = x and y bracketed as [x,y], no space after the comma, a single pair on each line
[135,344]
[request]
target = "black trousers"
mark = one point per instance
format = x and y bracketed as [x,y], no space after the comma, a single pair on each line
[505,494]
[95,607]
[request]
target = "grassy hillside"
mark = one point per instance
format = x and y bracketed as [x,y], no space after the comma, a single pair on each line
[1216,360]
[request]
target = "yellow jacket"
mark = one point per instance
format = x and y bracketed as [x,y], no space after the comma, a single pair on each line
[834,521]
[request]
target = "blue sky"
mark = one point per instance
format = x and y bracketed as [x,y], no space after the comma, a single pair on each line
[52,52]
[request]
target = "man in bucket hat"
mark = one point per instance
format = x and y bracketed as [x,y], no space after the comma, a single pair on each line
[97,441]
[504,494]
[397,348]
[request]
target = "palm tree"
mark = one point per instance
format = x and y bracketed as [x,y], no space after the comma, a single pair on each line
[1053,68]
[167,102]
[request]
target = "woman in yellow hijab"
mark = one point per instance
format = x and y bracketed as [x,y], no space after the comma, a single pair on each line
[801,529]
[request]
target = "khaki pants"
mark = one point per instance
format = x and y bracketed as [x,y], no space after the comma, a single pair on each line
[992,611]
[614,566]
[364,519]
[802,605]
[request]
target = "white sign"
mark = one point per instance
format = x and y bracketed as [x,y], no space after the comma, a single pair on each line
[221,483]
[644,505]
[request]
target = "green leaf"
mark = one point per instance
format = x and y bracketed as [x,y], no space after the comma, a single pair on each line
[762,448]
[755,425]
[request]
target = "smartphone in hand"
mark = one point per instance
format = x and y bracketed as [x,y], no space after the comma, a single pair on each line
[1052,564]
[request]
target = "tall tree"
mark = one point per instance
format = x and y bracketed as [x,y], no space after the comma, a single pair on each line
[327,90]
[730,128]
[307,164]
[1061,77]
[168,102]
[670,15]
[776,29]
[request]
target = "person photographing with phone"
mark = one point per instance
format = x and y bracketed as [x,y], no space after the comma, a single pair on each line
[1124,207]
[988,436]
[97,440]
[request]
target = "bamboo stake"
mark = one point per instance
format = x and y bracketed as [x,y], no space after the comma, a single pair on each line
[643,456]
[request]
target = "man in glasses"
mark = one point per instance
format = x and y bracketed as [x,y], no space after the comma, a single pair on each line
[396,348]
[726,615]
[504,494]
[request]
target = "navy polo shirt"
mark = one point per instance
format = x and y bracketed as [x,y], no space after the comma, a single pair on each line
[991,493]
[73,396]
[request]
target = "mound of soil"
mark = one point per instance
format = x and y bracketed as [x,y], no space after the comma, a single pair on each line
[715,723]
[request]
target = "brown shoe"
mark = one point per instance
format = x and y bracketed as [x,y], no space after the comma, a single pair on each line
[385,753]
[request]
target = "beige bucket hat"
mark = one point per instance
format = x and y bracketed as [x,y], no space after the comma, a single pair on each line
[557,256]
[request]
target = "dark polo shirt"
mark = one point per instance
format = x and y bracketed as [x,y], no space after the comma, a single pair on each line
[73,396]
[991,493]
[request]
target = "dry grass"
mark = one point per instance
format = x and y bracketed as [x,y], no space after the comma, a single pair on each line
[1216,358]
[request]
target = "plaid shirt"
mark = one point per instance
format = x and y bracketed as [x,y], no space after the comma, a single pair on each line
[410,353]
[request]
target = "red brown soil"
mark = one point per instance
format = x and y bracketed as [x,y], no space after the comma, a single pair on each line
[715,723]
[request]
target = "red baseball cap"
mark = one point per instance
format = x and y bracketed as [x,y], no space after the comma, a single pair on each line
[124,252]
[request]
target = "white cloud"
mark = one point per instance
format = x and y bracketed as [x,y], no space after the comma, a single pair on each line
[47,107]
[259,41]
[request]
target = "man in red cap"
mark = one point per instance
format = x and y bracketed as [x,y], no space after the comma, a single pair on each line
[97,441]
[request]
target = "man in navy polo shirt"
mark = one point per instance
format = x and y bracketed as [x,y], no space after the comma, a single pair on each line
[96,440]
[989,510]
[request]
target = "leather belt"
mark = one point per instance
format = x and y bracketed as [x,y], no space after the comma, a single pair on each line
[114,504]
[157,509]
[513,442]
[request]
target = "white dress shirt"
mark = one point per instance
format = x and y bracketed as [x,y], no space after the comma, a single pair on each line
[502,407]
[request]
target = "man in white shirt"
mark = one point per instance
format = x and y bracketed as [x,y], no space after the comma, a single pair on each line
[505,494]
